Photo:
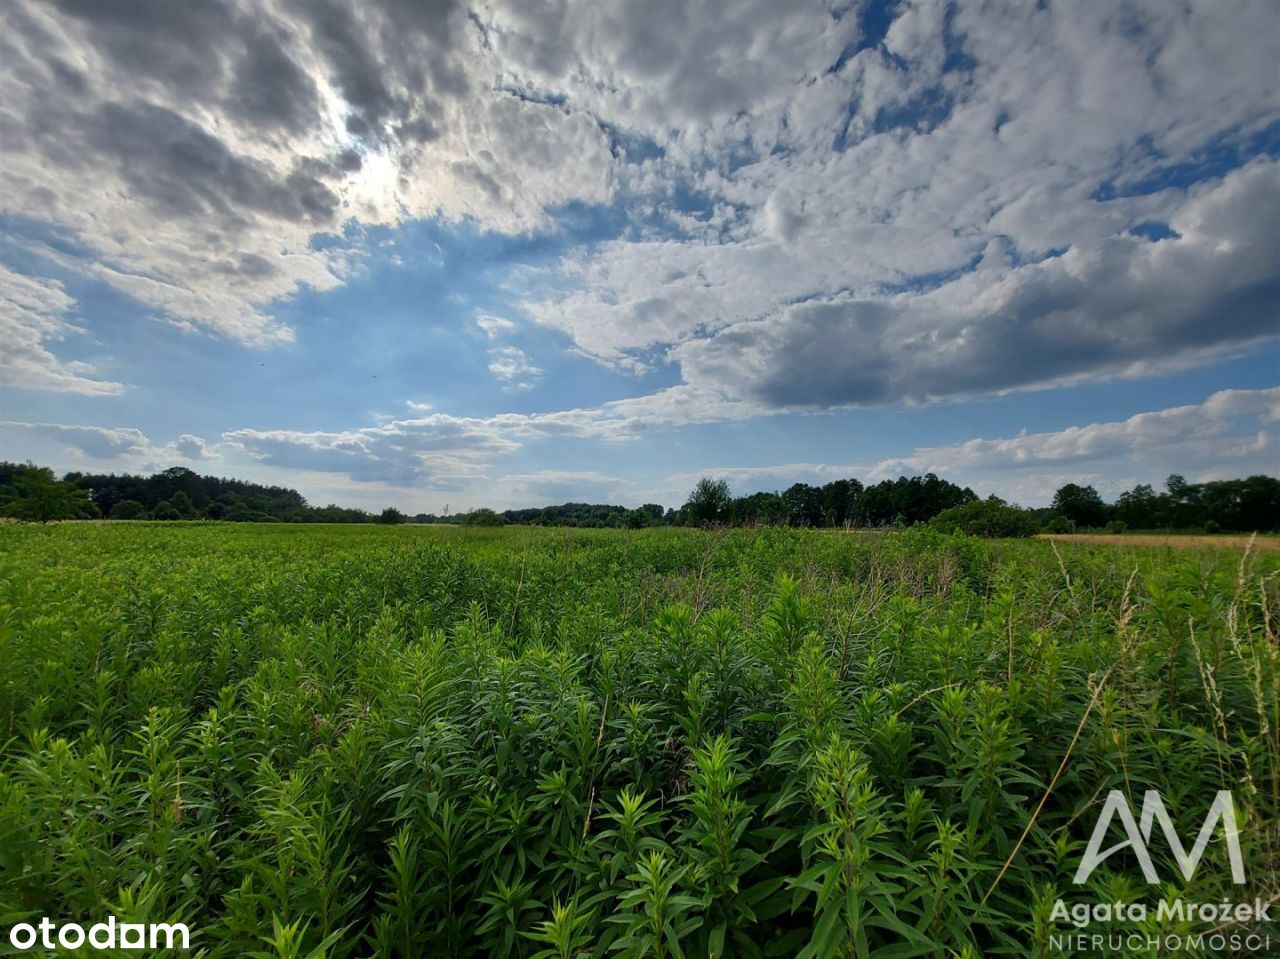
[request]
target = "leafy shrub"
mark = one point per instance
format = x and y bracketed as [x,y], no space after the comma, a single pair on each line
[989,517]
[482,517]
[1058,524]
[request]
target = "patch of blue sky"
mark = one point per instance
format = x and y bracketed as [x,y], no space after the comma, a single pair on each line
[1154,231]
[21,240]
[931,281]
[921,114]
[401,328]
[630,146]
[874,20]
[957,59]
[1216,159]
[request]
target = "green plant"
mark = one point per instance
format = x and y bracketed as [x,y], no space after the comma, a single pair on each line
[379,740]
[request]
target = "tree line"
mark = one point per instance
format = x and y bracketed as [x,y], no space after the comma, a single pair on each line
[1240,505]
[1251,504]
[35,493]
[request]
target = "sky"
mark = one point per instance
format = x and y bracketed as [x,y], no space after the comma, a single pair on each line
[431,254]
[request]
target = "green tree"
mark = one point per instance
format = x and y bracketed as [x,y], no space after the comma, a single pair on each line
[128,509]
[181,504]
[39,497]
[391,516]
[1081,505]
[758,508]
[708,503]
[166,511]
[804,505]
[1140,507]
[838,498]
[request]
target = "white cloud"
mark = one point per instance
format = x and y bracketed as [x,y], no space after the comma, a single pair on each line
[193,448]
[96,442]
[494,326]
[33,313]
[997,124]
[1198,436]
[511,365]
[1122,305]
[194,152]
[121,447]
[1232,433]
[803,207]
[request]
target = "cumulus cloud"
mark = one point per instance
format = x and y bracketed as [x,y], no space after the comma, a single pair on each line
[193,448]
[34,312]
[94,441]
[193,152]
[127,446]
[1123,304]
[950,197]
[1234,429]
[813,217]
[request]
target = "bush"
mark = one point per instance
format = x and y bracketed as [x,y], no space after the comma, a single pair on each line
[990,517]
[129,509]
[1117,526]
[1059,524]
[167,511]
[483,517]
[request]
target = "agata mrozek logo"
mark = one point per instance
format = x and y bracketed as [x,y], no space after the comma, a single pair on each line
[1125,928]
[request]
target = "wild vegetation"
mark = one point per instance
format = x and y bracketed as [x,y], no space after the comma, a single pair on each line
[407,741]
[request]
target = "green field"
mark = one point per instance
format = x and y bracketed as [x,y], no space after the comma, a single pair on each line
[409,741]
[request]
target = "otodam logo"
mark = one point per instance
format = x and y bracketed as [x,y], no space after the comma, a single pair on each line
[1138,835]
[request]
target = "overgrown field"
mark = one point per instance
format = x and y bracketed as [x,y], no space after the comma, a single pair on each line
[440,742]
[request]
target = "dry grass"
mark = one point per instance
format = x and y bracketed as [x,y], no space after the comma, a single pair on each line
[1176,540]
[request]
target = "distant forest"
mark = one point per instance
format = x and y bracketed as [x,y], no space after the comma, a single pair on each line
[35,493]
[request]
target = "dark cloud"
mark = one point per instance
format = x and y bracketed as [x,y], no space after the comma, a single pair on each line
[184,170]
[1092,311]
[179,46]
[247,265]
[269,89]
[388,59]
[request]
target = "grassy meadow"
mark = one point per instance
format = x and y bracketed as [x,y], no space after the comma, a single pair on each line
[414,741]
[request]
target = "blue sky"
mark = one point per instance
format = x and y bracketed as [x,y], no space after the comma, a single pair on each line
[593,251]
